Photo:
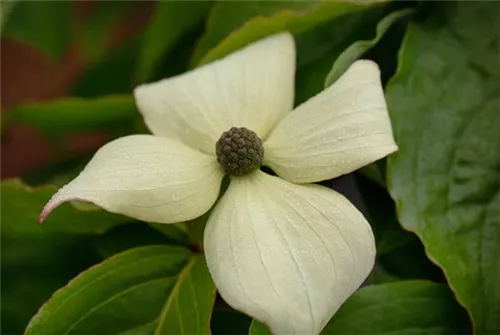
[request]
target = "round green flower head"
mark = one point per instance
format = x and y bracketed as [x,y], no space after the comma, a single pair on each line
[239,151]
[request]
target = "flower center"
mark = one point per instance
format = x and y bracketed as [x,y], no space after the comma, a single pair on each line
[239,151]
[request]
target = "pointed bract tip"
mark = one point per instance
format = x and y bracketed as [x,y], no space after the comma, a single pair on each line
[43,215]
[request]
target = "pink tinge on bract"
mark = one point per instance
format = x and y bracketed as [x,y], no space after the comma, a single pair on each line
[53,204]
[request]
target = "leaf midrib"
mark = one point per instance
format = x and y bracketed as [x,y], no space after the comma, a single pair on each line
[113,297]
[173,296]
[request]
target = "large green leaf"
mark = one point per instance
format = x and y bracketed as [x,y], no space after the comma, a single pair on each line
[38,259]
[234,24]
[28,23]
[189,306]
[171,20]
[407,307]
[358,48]
[146,290]
[21,207]
[76,114]
[122,293]
[402,308]
[34,265]
[444,103]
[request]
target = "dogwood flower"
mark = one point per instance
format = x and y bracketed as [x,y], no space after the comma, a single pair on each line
[279,248]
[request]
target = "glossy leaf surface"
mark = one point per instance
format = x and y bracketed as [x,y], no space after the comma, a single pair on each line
[444,103]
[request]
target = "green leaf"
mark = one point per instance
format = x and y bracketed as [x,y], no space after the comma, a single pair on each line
[33,267]
[399,252]
[99,25]
[111,74]
[404,307]
[318,49]
[357,49]
[407,307]
[171,20]
[124,237]
[444,103]
[258,328]
[373,173]
[381,211]
[124,292]
[380,275]
[76,114]
[21,207]
[410,261]
[6,8]
[189,306]
[28,24]
[175,232]
[38,259]
[232,25]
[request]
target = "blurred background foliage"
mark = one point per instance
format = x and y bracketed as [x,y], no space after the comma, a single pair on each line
[68,69]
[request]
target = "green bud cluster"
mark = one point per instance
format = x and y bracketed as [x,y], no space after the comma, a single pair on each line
[239,151]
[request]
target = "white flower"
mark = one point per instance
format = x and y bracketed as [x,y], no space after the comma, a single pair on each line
[284,251]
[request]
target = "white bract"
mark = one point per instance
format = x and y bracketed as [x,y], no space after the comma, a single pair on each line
[283,251]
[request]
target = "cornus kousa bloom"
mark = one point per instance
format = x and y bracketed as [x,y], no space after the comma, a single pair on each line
[279,248]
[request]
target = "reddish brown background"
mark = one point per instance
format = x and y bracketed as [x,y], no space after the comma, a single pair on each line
[27,75]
